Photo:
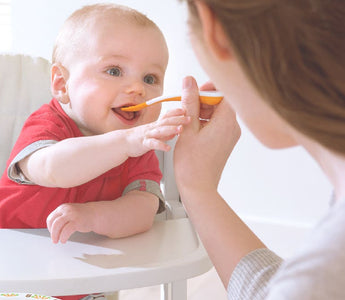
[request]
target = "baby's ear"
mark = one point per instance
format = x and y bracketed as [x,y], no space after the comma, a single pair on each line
[59,76]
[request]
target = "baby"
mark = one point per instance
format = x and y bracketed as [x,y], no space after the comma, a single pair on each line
[80,162]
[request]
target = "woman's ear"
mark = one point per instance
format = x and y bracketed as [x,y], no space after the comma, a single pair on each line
[213,33]
[59,76]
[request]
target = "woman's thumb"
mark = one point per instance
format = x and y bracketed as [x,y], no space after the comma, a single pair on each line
[190,97]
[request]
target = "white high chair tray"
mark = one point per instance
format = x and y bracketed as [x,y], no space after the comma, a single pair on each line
[90,263]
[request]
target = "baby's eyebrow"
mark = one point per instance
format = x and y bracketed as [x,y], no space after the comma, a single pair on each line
[160,67]
[112,56]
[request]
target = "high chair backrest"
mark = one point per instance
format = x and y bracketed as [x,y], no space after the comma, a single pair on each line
[24,87]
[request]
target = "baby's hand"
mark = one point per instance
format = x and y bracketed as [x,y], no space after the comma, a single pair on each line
[153,136]
[68,218]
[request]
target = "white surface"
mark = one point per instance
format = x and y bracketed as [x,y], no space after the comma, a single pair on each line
[91,263]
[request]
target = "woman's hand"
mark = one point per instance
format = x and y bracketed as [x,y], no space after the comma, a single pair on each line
[200,156]
[205,144]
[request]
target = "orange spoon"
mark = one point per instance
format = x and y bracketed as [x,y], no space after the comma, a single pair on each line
[206,97]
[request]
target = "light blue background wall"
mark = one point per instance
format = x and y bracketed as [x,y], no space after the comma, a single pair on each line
[280,186]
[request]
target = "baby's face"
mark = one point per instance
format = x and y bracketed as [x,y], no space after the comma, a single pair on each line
[120,64]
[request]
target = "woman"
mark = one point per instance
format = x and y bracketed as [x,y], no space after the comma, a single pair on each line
[280,65]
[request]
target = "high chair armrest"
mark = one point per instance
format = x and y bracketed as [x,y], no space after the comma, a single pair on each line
[175,210]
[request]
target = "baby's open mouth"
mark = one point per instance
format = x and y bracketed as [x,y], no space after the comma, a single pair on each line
[127,115]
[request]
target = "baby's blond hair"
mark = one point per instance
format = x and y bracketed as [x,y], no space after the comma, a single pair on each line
[83,18]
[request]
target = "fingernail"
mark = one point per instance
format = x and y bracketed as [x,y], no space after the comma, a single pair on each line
[187,82]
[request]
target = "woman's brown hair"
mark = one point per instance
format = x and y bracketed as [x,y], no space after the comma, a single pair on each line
[293,51]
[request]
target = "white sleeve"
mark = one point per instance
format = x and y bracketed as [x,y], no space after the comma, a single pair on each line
[315,272]
[252,274]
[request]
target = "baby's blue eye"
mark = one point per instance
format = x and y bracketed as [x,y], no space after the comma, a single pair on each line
[150,79]
[114,72]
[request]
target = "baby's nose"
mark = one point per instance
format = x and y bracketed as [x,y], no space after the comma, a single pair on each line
[136,86]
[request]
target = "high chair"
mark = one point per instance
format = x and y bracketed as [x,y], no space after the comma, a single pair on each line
[166,255]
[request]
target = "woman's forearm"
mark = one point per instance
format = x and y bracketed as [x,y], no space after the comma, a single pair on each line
[225,236]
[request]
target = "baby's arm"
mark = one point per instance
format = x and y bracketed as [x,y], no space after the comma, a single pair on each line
[130,214]
[75,161]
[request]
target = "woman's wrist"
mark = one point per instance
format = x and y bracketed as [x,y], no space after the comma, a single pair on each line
[195,194]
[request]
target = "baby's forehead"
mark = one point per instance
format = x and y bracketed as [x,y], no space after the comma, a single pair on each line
[128,42]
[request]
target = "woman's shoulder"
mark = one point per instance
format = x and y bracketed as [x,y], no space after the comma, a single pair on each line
[316,269]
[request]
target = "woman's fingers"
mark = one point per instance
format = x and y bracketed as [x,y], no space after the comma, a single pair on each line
[207,86]
[206,111]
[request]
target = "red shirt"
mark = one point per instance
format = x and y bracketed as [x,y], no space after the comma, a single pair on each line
[28,206]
